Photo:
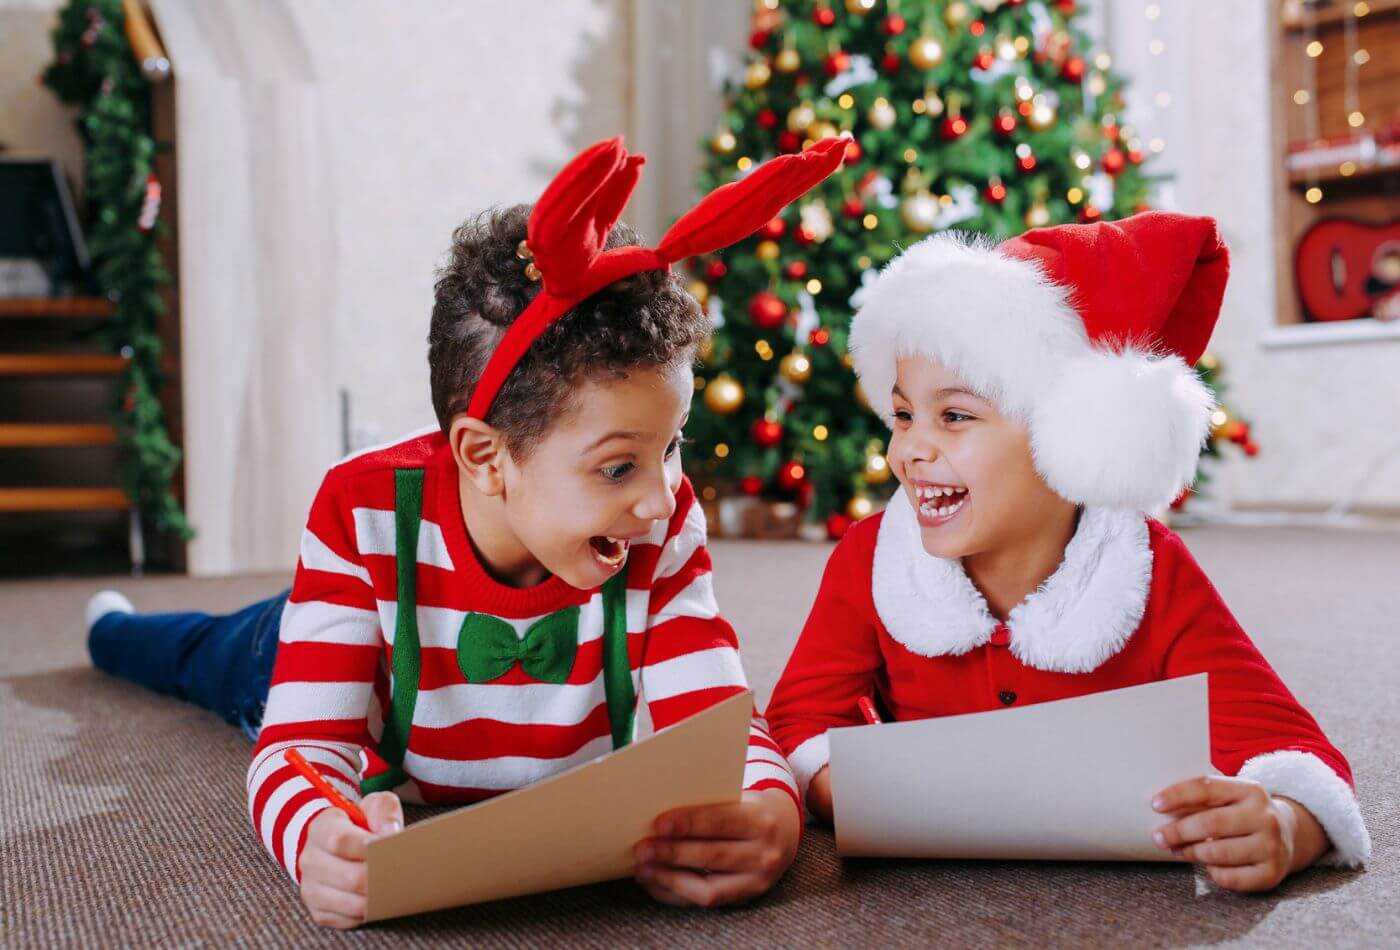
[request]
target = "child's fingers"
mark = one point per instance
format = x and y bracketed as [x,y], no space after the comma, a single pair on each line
[1211,823]
[732,821]
[1207,791]
[324,898]
[333,832]
[1228,852]
[708,855]
[337,921]
[384,812]
[1250,877]
[647,882]
[701,890]
[322,866]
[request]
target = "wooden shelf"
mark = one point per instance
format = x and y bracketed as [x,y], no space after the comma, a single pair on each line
[56,307]
[14,435]
[63,499]
[1336,14]
[60,364]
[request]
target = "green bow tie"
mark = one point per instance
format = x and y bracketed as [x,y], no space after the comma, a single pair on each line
[487,647]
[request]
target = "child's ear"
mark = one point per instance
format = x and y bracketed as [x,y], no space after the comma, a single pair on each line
[480,453]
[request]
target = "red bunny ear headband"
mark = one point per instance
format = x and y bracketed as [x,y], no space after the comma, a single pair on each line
[570,223]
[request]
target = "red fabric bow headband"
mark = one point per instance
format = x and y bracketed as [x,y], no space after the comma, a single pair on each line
[570,224]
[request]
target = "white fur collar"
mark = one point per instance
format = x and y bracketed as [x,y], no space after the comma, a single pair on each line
[1081,615]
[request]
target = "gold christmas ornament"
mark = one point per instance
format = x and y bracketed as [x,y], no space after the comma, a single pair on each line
[723,142]
[877,467]
[849,363]
[700,291]
[1005,48]
[1037,215]
[860,507]
[1220,423]
[859,7]
[767,250]
[1042,115]
[933,103]
[724,395]
[926,53]
[861,399]
[787,61]
[956,14]
[801,118]
[919,211]
[707,350]
[796,367]
[882,115]
[823,130]
[757,74]
[815,218]
[1209,362]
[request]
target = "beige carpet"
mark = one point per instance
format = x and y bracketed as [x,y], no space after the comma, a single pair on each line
[122,813]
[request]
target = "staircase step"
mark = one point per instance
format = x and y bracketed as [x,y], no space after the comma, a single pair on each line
[55,435]
[63,499]
[61,364]
[58,307]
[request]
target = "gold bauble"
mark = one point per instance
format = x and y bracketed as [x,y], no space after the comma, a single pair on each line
[1006,48]
[707,349]
[919,211]
[1221,423]
[862,399]
[815,218]
[723,142]
[877,467]
[956,14]
[801,117]
[860,507]
[1037,215]
[848,361]
[859,7]
[926,53]
[1209,362]
[787,61]
[1042,116]
[823,130]
[724,395]
[796,367]
[882,115]
[700,291]
[767,250]
[757,74]
[933,104]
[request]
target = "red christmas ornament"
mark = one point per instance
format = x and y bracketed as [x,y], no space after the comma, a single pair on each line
[789,141]
[837,525]
[995,193]
[795,270]
[954,127]
[977,28]
[806,492]
[801,80]
[853,152]
[984,60]
[768,119]
[1240,435]
[824,17]
[1065,6]
[1135,156]
[1089,214]
[1113,161]
[853,207]
[767,433]
[774,229]
[837,63]
[751,485]
[716,269]
[802,236]
[893,25]
[820,337]
[1251,449]
[767,310]
[1141,206]
[759,38]
[1073,69]
[791,476]
[891,62]
[1110,132]
[1026,162]
[1005,122]
[1025,108]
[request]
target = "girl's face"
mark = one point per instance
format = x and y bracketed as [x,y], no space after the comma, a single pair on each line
[603,477]
[966,469]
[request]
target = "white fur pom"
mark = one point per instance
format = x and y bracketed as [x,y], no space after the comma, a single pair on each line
[1121,429]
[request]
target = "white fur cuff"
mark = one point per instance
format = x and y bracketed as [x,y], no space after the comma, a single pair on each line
[1307,780]
[807,760]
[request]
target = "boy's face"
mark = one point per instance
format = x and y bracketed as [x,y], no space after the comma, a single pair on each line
[965,467]
[603,477]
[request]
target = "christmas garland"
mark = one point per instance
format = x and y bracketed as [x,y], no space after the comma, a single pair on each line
[94,70]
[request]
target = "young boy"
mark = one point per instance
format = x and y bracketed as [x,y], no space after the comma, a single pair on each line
[478,607]
[1041,397]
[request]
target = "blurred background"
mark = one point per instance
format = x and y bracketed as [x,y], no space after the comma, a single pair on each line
[219,223]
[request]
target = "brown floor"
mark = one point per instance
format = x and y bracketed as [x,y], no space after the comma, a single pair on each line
[122,816]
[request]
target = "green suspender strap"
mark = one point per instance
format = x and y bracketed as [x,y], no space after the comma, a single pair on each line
[398,719]
[617,668]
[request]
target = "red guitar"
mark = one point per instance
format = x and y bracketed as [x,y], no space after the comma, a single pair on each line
[1349,269]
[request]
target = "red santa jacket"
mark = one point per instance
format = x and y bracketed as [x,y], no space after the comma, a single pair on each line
[1128,605]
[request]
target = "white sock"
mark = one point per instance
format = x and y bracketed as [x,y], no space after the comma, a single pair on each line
[105,602]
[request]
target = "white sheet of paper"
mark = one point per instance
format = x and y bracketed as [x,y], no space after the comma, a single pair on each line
[573,828]
[1066,780]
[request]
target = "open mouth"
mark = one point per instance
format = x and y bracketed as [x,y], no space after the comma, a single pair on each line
[939,504]
[609,551]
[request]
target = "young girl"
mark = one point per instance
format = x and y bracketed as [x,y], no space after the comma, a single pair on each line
[1041,397]
[478,607]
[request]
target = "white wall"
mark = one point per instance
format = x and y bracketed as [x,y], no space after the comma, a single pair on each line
[33,122]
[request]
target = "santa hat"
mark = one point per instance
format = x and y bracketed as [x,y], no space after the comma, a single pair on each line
[1087,334]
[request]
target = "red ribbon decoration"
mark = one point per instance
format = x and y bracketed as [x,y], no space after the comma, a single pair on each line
[572,219]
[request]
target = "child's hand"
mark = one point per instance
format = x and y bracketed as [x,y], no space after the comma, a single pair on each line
[333,875]
[1247,839]
[719,854]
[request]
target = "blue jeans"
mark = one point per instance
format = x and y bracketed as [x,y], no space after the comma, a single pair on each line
[223,664]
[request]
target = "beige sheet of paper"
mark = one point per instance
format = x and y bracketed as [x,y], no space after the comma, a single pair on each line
[576,827]
[1066,780]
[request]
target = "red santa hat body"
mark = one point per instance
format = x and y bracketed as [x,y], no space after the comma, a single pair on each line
[1086,334]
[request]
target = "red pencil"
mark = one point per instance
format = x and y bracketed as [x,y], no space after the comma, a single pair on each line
[868,709]
[297,761]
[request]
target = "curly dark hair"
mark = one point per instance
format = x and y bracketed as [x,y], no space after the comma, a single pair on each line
[646,320]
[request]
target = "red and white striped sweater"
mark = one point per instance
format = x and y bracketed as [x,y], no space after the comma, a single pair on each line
[331,688]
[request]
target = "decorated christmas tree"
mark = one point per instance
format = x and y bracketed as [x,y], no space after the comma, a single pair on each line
[992,116]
